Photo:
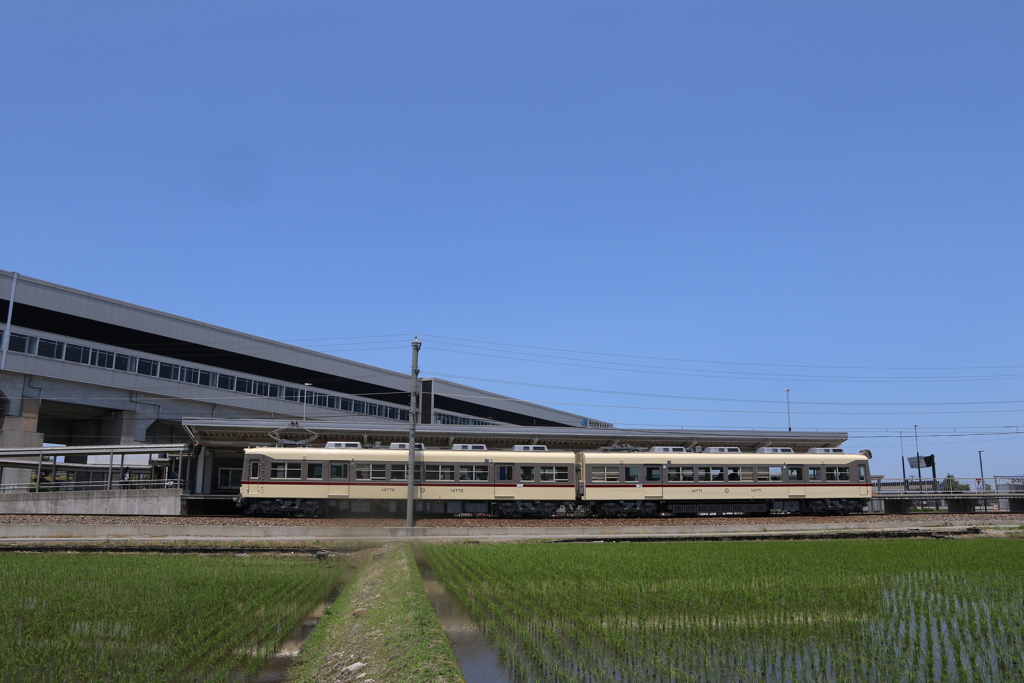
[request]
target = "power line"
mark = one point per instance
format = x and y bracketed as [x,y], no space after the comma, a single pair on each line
[717,374]
[684,360]
[701,374]
[706,398]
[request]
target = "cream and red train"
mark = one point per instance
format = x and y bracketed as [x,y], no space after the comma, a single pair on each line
[531,481]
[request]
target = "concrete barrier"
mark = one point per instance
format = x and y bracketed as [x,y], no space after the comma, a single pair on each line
[144,532]
[114,502]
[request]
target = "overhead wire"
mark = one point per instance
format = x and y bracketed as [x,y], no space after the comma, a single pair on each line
[677,372]
[683,360]
[706,398]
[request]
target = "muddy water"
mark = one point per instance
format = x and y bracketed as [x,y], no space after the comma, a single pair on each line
[477,658]
[275,669]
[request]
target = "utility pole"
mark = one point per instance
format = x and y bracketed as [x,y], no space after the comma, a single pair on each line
[917,452]
[903,462]
[414,414]
[789,417]
[981,464]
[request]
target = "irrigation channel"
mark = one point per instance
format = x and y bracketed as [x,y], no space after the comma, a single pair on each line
[477,658]
[275,669]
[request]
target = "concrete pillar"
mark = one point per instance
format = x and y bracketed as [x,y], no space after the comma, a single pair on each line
[897,507]
[124,427]
[961,505]
[20,431]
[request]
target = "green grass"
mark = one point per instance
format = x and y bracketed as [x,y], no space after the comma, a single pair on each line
[837,610]
[398,638]
[148,617]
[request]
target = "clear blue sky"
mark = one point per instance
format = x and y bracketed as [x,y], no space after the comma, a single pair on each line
[735,190]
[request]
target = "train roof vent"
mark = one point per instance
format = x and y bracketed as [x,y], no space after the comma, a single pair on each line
[404,446]
[344,444]
[469,447]
[530,447]
[669,449]
[824,450]
[721,449]
[773,449]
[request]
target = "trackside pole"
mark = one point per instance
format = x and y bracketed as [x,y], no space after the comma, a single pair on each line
[414,414]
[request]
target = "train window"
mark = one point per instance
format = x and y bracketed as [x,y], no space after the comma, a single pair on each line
[861,472]
[315,470]
[440,472]
[673,474]
[632,474]
[505,472]
[837,473]
[373,472]
[746,474]
[796,474]
[604,474]
[703,474]
[472,472]
[339,470]
[398,473]
[733,473]
[556,473]
[652,472]
[254,469]
[813,474]
[526,473]
[717,474]
[762,474]
[775,473]
[286,470]
[687,474]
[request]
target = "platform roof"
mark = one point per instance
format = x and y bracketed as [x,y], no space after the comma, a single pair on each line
[241,433]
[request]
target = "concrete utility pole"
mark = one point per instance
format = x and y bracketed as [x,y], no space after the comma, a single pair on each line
[414,414]
[789,418]
[981,463]
[917,452]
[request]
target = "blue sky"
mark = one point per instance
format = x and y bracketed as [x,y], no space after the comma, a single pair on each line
[728,199]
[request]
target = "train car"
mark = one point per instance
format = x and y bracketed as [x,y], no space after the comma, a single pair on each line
[531,481]
[724,481]
[464,479]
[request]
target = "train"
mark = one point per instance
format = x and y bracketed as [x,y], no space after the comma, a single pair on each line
[532,481]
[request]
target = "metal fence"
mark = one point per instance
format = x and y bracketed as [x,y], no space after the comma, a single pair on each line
[93,485]
[950,486]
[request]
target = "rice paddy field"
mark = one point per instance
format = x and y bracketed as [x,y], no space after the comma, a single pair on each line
[150,617]
[837,610]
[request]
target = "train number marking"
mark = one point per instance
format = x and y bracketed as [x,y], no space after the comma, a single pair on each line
[387,488]
[755,490]
[696,490]
[457,491]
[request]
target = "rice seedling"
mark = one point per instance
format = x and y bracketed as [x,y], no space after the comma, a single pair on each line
[112,617]
[856,610]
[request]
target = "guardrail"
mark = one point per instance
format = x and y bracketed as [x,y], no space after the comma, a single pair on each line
[990,487]
[101,485]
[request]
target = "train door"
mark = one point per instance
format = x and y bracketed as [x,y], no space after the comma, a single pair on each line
[255,478]
[338,480]
[796,477]
[504,480]
[316,481]
[653,481]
